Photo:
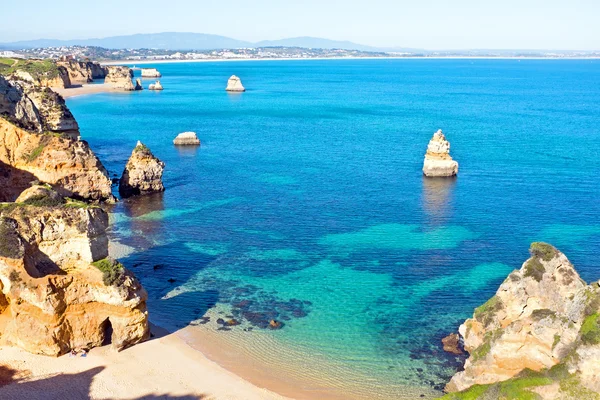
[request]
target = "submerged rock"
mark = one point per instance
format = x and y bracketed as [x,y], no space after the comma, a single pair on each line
[155,86]
[187,139]
[451,344]
[544,321]
[57,289]
[119,77]
[234,84]
[142,174]
[438,162]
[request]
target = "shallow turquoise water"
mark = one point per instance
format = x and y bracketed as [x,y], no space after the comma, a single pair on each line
[306,201]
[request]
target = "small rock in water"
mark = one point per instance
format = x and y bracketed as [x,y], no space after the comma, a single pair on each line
[187,139]
[221,321]
[171,280]
[451,344]
[234,84]
[273,324]
[233,322]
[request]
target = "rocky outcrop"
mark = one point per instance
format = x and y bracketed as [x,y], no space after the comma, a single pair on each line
[83,71]
[155,86]
[36,109]
[57,288]
[142,174]
[234,84]
[438,162]
[138,84]
[150,73]
[39,140]
[54,77]
[119,77]
[187,139]
[543,322]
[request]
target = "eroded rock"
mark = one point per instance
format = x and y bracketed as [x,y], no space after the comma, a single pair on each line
[142,174]
[187,139]
[438,162]
[119,77]
[234,84]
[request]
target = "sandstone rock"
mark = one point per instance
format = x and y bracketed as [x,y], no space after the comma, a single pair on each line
[542,316]
[155,86]
[39,140]
[83,72]
[438,162]
[138,84]
[40,193]
[451,344]
[187,139]
[56,77]
[35,108]
[142,174]
[234,84]
[150,73]
[119,77]
[69,166]
[54,299]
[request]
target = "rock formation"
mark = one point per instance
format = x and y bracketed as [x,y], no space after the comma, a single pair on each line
[543,323]
[83,71]
[234,84]
[119,77]
[150,73]
[437,159]
[138,84]
[39,140]
[43,73]
[155,86]
[187,139]
[142,174]
[58,290]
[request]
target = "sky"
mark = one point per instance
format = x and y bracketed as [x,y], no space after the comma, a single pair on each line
[427,24]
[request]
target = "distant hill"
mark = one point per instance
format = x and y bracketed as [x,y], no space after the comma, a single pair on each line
[186,41]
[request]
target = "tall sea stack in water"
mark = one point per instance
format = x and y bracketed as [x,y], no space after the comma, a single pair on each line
[234,84]
[142,174]
[438,162]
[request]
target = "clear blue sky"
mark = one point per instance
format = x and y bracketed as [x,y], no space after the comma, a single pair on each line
[431,24]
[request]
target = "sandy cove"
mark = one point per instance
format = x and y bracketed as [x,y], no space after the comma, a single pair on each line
[87,89]
[162,368]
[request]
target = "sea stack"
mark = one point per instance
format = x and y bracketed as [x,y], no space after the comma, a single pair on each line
[150,73]
[119,77]
[142,174]
[138,84]
[438,162]
[155,86]
[234,84]
[187,139]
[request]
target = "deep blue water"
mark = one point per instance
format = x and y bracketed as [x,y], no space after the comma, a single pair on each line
[306,202]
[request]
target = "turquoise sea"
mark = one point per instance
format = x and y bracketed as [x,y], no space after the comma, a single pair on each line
[306,203]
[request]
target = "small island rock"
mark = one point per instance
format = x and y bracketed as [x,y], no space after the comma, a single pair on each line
[150,73]
[138,84]
[438,162]
[187,139]
[234,84]
[155,86]
[119,77]
[142,174]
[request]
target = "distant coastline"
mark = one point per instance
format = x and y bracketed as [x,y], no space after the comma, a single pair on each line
[145,62]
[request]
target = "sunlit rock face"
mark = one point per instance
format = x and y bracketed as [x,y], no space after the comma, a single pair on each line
[438,162]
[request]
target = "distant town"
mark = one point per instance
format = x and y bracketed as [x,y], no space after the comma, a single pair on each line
[103,54]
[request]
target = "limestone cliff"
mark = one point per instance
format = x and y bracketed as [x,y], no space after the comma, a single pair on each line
[234,84]
[45,73]
[39,140]
[119,77]
[438,162]
[83,71]
[142,174]
[540,333]
[58,290]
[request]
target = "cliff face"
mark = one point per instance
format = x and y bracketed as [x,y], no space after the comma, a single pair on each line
[39,140]
[45,73]
[119,77]
[83,71]
[543,322]
[53,298]
[438,162]
[142,174]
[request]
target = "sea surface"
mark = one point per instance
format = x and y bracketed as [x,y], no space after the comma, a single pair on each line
[306,203]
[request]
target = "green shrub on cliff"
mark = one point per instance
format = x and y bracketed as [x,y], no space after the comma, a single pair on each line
[534,269]
[11,245]
[37,68]
[590,331]
[543,250]
[486,312]
[43,201]
[113,272]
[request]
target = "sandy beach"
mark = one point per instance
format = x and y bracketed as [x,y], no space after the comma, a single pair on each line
[164,367]
[86,89]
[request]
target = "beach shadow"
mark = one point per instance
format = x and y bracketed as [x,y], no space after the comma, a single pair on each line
[13,385]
